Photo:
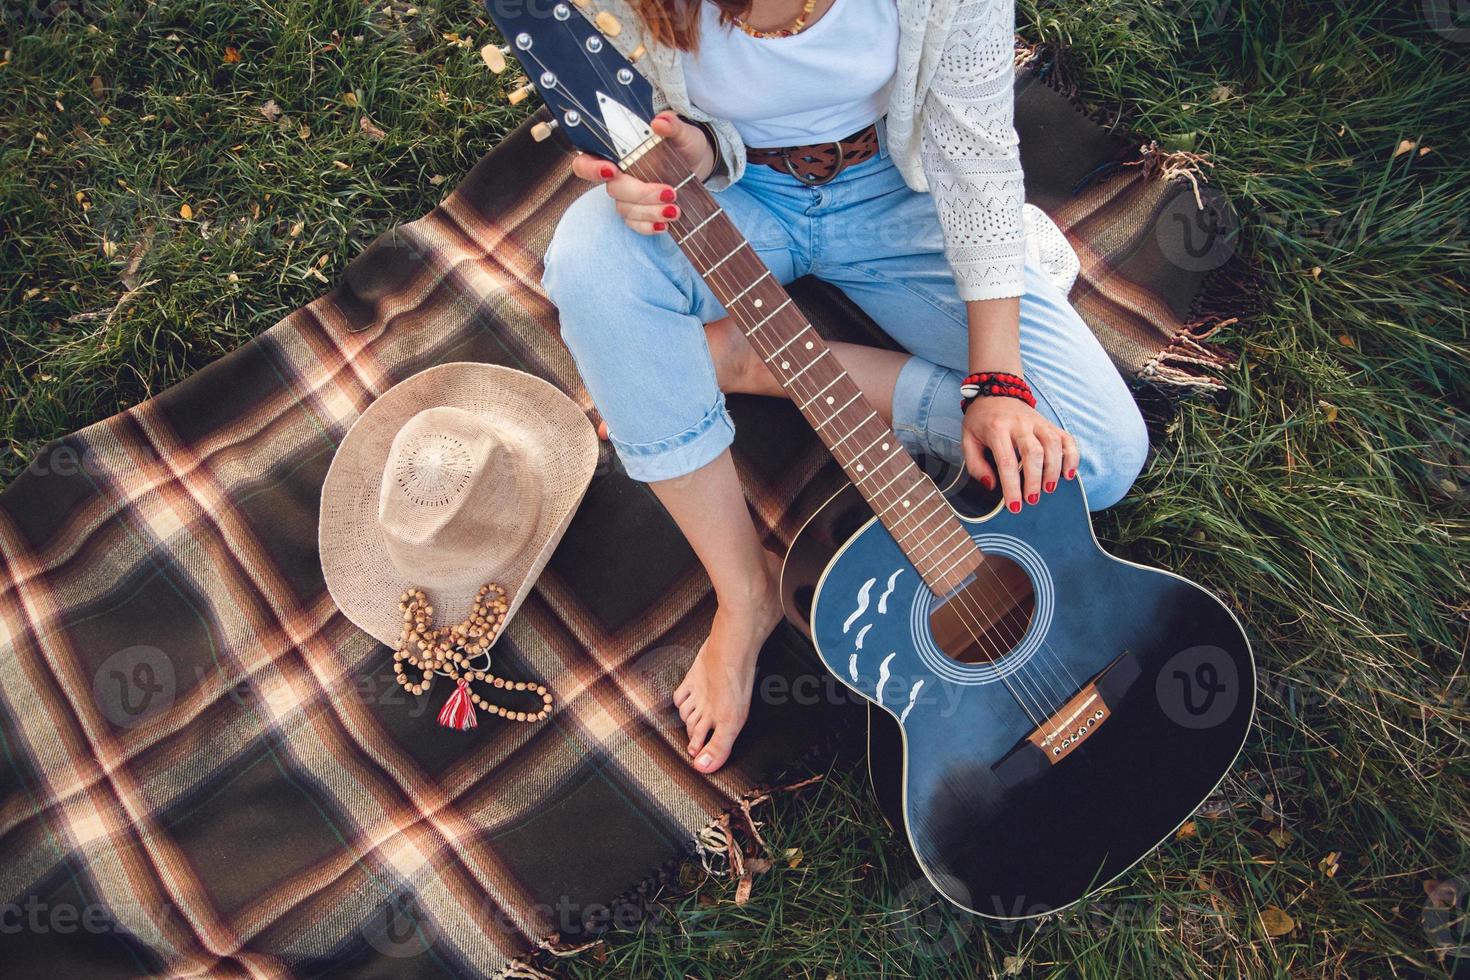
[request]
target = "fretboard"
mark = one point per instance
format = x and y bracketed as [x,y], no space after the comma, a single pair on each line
[903,497]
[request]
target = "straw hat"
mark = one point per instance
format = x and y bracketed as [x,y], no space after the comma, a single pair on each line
[460,475]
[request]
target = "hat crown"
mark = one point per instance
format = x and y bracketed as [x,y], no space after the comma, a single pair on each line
[455,488]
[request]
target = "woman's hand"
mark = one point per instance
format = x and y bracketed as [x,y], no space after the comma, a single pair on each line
[648,208]
[1024,445]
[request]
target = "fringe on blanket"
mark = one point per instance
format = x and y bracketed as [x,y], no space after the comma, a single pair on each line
[1228,297]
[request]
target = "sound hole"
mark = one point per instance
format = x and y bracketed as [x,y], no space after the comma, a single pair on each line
[984,620]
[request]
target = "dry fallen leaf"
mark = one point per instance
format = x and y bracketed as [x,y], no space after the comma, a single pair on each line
[185,212]
[370,128]
[96,86]
[1275,922]
[1328,865]
[1328,409]
[349,99]
[296,229]
[270,110]
[1279,834]
[1316,272]
[1345,340]
[436,180]
[793,856]
[1187,829]
[232,56]
[1012,966]
[1404,147]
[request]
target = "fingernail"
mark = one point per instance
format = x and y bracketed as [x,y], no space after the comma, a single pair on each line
[1034,499]
[1015,507]
[671,212]
[1072,473]
[666,195]
[1051,486]
[704,760]
[607,173]
[987,481]
[659,226]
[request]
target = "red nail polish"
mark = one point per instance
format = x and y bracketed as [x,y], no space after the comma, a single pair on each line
[988,482]
[1072,473]
[607,173]
[1050,487]
[671,212]
[1015,507]
[666,195]
[1034,499]
[659,226]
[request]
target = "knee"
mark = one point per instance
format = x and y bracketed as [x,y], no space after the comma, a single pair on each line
[590,250]
[1117,457]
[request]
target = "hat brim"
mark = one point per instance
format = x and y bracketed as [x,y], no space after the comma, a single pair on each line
[359,574]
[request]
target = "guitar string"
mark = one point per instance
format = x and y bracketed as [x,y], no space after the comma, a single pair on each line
[961,599]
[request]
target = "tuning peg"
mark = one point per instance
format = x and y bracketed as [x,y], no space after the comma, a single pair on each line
[581,3]
[520,95]
[495,56]
[542,131]
[608,24]
[637,53]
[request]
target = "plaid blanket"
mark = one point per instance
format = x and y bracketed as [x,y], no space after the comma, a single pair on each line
[209,771]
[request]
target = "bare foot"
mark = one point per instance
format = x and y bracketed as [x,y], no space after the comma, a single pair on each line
[714,697]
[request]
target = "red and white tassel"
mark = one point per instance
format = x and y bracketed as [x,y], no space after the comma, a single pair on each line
[459,711]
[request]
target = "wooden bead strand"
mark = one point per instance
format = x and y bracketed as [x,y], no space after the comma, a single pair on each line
[425,651]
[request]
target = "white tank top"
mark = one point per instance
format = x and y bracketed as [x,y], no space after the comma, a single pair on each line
[827,82]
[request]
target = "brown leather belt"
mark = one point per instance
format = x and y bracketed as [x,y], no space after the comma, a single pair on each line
[817,163]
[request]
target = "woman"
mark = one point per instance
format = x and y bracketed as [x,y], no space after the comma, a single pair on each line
[918,220]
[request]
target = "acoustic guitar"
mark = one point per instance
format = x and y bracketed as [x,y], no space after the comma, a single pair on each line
[1042,714]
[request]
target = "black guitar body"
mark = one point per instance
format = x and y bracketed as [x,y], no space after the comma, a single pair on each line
[1003,826]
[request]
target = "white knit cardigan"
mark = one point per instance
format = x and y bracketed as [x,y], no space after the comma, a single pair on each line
[949,125]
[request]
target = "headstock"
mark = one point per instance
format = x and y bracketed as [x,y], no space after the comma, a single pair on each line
[593,92]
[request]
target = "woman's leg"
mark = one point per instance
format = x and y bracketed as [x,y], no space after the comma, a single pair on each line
[632,313]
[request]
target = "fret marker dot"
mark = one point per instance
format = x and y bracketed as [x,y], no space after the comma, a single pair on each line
[830,399]
[885,446]
[785,365]
[905,503]
[860,467]
[758,304]
[809,345]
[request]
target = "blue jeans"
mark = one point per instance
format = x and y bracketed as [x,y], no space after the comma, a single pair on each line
[632,313]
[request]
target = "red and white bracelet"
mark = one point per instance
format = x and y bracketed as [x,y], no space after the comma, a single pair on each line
[994,383]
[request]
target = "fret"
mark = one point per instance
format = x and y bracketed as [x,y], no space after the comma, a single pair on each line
[839,411]
[804,329]
[754,283]
[712,216]
[686,180]
[958,544]
[862,452]
[738,249]
[819,394]
[813,363]
[870,416]
[886,460]
[908,511]
[769,315]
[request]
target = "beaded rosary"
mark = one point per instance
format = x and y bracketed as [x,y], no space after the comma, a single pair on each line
[425,650]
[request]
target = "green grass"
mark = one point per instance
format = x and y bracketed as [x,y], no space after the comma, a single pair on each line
[1327,495]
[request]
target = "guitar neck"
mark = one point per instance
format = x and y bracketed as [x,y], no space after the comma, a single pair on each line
[903,497]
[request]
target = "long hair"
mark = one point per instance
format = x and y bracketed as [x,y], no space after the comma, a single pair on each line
[676,22]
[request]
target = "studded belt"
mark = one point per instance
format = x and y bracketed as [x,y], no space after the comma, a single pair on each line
[817,163]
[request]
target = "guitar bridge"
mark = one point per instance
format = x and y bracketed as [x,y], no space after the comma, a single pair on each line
[1070,725]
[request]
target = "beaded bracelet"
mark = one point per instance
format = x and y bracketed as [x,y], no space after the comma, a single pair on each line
[995,383]
[426,651]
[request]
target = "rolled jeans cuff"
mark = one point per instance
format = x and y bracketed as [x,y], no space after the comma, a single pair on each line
[681,454]
[926,410]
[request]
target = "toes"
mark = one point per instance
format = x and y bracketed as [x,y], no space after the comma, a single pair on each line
[686,709]
[718,750]
[699,730]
